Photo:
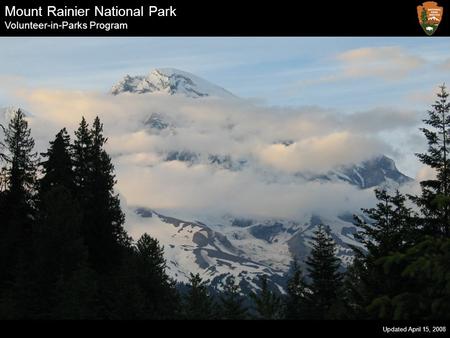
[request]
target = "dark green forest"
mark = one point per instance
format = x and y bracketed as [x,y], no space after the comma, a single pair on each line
[64,252]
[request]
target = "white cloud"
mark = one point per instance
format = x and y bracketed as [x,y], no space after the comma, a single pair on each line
[319,154]
[264,187]
[196,190]
[386,63]
[389,63]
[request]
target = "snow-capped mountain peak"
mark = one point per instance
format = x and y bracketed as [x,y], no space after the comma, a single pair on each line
[169,81]
[379,171]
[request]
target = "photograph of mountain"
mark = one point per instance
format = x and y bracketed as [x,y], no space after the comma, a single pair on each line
[224,178]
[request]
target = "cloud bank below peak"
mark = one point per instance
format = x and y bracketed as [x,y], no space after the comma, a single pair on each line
[169,168]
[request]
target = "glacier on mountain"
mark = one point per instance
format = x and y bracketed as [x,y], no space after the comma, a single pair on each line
[221,244]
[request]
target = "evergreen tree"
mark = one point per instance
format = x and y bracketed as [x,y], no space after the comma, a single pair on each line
[267,303]
[356,294]
[58,167]
[198,303]
[108,216]
[17,200]
[82,161]
[231,302]
[434,201]
[391,228]
[424,270]
[295,303]
[103,218]
[3,158]
[326,280]
[58,250]
[421,268]
[161,297]
[77,295]
[20,158]
[120,295]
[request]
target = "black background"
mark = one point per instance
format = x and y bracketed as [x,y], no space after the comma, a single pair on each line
[256,18]
[216,329]
[252,18]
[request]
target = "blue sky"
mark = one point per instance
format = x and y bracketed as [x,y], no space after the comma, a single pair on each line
[341,75]
[281,71]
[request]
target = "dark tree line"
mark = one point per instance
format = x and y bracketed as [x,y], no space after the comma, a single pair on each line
[64,252]
[404,272]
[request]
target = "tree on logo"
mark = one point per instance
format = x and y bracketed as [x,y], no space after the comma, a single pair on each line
[424,16]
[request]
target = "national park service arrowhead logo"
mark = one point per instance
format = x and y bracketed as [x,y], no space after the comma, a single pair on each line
[430,16]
